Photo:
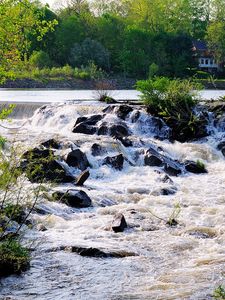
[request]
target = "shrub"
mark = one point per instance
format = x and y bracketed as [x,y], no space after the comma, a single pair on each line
[40,59]
[174,101]
[13,258]
[219,293]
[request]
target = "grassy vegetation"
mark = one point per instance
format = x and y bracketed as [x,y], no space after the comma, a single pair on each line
[174,101]
[55,73]
[219,293]
[14,258]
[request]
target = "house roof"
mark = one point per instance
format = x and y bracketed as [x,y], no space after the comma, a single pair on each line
[200,45]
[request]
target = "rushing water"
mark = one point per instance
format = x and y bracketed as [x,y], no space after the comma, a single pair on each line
[183,262]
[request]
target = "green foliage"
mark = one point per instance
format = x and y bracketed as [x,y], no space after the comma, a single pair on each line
[40,59]
[89,51]
[173,101]
[13,257]
[200,164]
[219,293]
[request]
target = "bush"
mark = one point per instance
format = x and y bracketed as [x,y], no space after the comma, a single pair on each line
[13,258]
[174,101]
[219,293]
[40,59]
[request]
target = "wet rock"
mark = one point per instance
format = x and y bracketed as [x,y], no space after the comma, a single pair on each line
[40,165]
[156,158]
[84,128]
[135,116]
[152,160]
[221,147]
[172,223]
[172,169]
[97,150]
[122,111]
[82,178]
[92,120]
[73,198]
[125,141]
[76,158]
[51,143]
[95,252]
[41,227]
[165,178]
[195,167]
[115,161]
[116,130]
[119,223]
[165,191]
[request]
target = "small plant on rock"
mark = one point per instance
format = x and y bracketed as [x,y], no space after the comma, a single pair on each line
[219,293]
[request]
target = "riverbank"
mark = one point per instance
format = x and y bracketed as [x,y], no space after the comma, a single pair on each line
[117,83]
[72,83]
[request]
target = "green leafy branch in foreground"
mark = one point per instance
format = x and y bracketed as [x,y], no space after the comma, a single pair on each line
[219,293]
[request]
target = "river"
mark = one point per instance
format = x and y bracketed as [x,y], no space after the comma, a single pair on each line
[185,262]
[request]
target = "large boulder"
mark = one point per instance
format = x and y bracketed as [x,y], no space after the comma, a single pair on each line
[76,158]
[157,158]
[115,161]
[87,125]
[41,165]
[73,198]
[118,130]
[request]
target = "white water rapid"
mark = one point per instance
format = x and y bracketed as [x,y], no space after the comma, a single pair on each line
[186,261]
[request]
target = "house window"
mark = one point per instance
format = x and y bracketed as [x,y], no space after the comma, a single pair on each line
[211,61]
[202,61]
[206,61]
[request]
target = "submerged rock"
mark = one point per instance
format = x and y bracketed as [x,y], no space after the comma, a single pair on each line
[119,223]
[73,198]
[76,158]
[115,161]
[97,150]
[95,252]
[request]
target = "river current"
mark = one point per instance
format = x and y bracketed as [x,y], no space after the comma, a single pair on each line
[162,262]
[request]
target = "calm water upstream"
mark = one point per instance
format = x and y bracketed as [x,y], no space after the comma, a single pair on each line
[48,96]
[185,262]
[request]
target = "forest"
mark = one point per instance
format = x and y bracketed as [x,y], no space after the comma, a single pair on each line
[133,38]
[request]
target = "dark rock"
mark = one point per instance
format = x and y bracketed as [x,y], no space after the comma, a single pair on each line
[152,160]
[166,179]
[73,198]
[95,252]
[51,143]
[168,191]
[97,150]
[135,116]
[193,167]
[41,227]
[40,165]
[221,147]
[92,120]
[126,142]
[172,223]
[153,157]
[172,169]
[116,161]
[82,178]
[76,158]
[116,130]
[84,128]
[122,111]
[119,223]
